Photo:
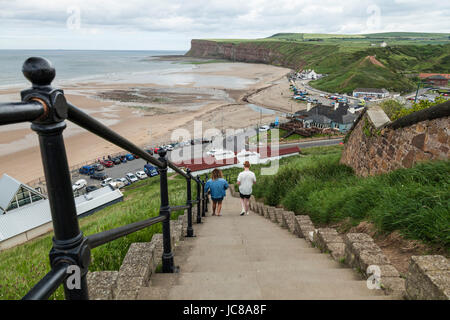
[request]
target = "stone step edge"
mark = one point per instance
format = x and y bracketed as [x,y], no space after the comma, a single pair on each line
[355,250]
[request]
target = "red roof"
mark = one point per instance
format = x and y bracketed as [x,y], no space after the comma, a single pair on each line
[427,75]
[208,162]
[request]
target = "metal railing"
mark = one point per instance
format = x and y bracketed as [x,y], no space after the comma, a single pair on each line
[47,109]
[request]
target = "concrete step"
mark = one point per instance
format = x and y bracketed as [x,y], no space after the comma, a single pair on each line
[249,257]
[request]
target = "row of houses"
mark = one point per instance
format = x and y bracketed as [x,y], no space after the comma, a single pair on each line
[340,117]
[372,93]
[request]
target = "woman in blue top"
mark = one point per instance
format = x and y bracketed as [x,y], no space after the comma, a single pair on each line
[217,185]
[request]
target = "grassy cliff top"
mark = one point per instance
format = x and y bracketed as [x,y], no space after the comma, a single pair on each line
[352,61]
[393,38]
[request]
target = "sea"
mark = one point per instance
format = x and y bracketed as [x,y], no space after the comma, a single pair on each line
[81,66]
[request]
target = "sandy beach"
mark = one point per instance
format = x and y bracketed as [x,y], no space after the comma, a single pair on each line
[217,94]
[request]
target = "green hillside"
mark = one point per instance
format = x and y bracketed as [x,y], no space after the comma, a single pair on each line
[344,58]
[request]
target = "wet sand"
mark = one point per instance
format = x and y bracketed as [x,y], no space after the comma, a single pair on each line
[147,113]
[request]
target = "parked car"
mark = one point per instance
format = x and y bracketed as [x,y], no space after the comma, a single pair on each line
[263,128]
[141,175]
[116,160]
[99,176]
[150,170]
[98,167]
[129,157]
[131,177]
[80,184]
[123,159]
[150,151]
[168,147]
[107,163]
[106,182]
[91,188]
[135,156]
[86,170]
[124,181]
[118,183]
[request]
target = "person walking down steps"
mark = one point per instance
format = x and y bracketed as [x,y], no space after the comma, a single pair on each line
[217,186]
[245,180]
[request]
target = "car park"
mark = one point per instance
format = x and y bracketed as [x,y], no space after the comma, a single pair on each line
[80,184]
[131,177]
[141,175]
[99,176]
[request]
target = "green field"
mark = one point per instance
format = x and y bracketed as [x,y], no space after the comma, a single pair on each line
[345,58]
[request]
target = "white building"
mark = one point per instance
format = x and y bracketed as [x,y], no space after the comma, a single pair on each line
[308,74]
[370,93]
[25,213]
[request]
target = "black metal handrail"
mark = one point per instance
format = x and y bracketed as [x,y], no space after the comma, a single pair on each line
[47,109]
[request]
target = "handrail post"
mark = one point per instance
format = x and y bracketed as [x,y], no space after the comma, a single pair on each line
[199,215]
[190,230]
[206,195]
[167,257]
[203,199]
[69,244]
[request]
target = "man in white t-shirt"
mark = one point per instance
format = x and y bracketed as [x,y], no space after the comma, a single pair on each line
[245,180]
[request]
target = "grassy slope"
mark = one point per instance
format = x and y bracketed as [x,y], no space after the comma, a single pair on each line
[23,266]
[413,201]
[341,57]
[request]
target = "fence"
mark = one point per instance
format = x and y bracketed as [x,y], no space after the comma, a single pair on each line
[47,109]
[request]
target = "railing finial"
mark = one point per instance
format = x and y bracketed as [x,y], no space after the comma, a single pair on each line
[39,71]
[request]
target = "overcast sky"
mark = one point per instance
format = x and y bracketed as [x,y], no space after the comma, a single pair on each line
[170,25]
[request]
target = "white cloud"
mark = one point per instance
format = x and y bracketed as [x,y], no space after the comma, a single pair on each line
[108,23]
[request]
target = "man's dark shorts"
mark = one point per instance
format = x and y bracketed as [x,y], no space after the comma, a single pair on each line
[216,200]
[247,196]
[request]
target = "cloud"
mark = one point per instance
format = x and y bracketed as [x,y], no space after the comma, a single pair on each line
[102,20]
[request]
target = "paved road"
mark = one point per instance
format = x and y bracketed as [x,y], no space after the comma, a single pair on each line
[248,257]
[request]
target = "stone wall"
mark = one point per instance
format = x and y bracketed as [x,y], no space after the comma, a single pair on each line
[377,146]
